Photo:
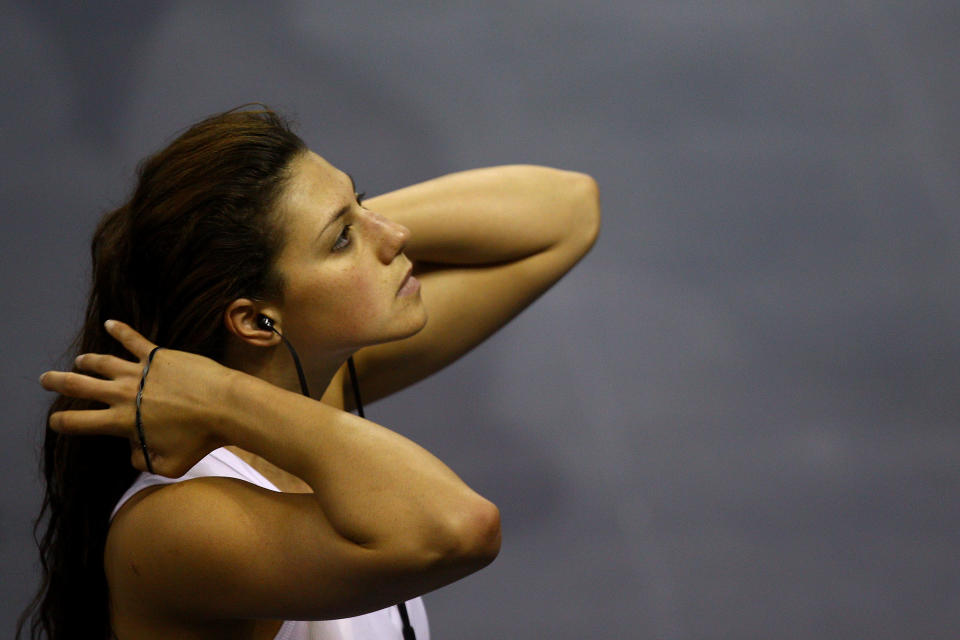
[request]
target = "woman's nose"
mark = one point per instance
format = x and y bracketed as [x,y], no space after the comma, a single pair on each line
[393,236]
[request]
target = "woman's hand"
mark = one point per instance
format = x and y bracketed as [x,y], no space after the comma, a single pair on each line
[180,394]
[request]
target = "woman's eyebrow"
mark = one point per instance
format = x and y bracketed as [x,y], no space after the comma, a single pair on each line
[343,210]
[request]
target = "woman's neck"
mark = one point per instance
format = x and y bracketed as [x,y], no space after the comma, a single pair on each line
[276,366]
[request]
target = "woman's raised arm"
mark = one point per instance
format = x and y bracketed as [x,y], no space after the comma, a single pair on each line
[486,243]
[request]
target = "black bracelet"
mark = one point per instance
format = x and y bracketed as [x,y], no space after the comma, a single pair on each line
[143,439]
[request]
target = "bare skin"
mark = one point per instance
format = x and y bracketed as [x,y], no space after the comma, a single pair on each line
[366,518]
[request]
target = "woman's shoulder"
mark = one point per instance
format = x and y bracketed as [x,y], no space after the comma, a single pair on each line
[161,540]
[165,514]
[179,515]
[166,534]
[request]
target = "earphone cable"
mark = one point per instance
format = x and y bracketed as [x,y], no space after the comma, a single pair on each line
[296,361]
[408,631]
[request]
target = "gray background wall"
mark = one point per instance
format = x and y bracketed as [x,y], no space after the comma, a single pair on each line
[737,418]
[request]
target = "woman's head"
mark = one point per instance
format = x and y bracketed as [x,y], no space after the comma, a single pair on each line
[199,231]
[237,208]
[342,269]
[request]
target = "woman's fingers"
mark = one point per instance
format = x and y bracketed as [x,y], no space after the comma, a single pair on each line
[108,422]
[108,366]
[129,338]
[78,385]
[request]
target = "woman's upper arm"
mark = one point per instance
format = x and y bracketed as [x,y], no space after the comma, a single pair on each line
[221,548]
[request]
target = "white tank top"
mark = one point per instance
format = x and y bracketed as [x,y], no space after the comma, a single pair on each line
[378,625]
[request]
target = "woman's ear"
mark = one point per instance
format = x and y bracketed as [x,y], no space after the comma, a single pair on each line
[243,319]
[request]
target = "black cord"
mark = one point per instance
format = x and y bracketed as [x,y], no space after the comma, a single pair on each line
[356,387]
[296,361]
[408,632]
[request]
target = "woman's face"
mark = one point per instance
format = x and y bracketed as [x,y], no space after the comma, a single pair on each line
[346,281]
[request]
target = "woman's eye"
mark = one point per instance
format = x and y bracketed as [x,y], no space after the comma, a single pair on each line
[343,240]
[360,196]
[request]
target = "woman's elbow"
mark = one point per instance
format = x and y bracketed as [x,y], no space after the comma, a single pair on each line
[589,198]
[472,536]
[483,533]
[582,223]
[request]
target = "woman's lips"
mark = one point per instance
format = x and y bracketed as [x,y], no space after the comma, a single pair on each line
[410,285]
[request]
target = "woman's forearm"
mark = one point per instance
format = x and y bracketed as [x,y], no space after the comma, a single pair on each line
[496,214]
[377,488]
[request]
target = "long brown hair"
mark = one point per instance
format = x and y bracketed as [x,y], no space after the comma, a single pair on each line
[199,231]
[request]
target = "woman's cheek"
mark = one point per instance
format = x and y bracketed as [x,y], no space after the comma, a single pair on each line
[361,295]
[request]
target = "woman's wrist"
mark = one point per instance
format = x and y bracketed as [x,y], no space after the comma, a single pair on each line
[235,416]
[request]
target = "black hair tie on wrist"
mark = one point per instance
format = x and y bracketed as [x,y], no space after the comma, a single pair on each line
[143,439]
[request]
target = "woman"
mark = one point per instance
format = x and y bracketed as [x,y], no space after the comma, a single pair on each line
[291,508]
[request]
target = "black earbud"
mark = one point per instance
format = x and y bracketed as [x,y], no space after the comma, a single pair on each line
[265,322]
